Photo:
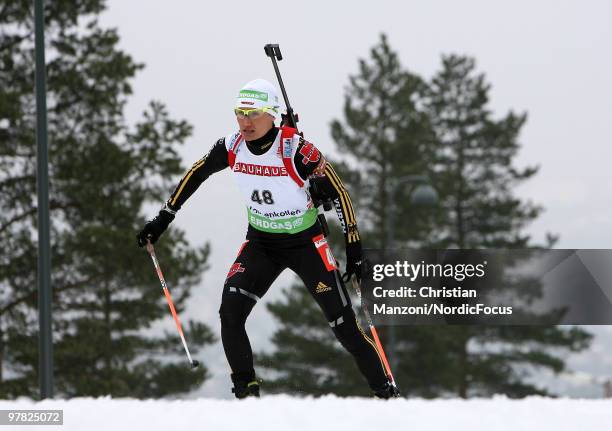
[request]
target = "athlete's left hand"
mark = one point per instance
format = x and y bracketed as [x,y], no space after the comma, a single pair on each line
[354,261]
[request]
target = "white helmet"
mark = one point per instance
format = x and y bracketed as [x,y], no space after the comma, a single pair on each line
[259,93]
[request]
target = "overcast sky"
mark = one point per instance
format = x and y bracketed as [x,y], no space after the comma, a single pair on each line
[552,59]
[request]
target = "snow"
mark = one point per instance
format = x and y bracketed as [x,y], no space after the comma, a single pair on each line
[282,412]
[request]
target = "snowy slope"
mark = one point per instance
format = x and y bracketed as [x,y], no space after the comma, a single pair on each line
[327,413]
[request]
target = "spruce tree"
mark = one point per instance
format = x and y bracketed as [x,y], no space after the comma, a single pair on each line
[474,162]
[106,296]
[474,172]
[387,134]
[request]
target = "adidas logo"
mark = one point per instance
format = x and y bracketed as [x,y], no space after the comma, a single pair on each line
[322,287]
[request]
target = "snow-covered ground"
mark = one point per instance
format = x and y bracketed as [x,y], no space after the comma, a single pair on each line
[327,413]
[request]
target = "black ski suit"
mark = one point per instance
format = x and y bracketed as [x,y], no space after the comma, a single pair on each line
[264,255]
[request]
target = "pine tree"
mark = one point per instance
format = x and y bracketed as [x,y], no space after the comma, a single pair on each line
[473,170]
[398,124]
[387,134]
[106,296]
[474,162]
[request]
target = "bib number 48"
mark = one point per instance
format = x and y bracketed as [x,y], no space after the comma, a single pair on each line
[266,197]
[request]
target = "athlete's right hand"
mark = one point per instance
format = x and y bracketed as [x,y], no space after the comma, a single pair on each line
[286,120]
[154,228]
[354,261]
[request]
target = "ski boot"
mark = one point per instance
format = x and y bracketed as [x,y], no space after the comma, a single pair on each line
[388,390]
[245,385]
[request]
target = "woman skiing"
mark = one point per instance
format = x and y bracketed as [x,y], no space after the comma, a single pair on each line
[274,167]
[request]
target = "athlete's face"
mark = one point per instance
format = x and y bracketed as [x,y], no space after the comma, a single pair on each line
[255,128]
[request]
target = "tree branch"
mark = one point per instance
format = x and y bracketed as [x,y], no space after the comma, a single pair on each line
[32,295]
[53,205]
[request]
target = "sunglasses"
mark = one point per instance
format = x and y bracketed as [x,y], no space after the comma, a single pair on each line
[251,113]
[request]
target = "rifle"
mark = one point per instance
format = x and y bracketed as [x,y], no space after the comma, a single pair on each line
[290,119]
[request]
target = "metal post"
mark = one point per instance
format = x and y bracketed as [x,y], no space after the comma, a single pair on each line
[389,243]
[45,342]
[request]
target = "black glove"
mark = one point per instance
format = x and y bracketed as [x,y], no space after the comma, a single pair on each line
[154,228]
[354,261]
[286,122]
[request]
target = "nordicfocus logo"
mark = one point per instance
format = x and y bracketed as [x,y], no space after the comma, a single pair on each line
[252,94]
[263,171]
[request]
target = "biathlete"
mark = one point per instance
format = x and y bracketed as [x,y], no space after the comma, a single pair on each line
[274,167]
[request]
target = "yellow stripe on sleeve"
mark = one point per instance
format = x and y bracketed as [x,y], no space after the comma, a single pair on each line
[345,203]
[348,205]
[341,192]
[185,179]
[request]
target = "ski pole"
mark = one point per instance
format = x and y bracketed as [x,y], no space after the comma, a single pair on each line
[273,51]
[193,362]
[373,331]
